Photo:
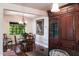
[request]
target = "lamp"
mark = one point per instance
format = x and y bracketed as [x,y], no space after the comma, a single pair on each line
[20,22]
[23,21]
[55,7]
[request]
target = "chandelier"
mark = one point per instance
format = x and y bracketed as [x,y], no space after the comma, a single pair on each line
[22,21]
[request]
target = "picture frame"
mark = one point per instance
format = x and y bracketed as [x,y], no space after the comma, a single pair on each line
[40,27]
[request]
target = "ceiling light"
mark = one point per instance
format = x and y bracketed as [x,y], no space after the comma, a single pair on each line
[55,7]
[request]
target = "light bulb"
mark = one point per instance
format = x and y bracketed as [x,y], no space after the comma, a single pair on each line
[26,22]
[20,22]
[55,7]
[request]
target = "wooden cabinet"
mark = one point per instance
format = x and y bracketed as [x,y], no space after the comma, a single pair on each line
[68,28]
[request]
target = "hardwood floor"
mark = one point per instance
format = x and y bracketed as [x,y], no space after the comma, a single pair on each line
[21,54]
[37,51]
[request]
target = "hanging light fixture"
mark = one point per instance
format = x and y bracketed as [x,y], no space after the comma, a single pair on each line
[25,22]
[55,7]
[22,21]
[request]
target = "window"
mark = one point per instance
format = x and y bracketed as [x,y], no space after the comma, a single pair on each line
[54,28]
[16,28]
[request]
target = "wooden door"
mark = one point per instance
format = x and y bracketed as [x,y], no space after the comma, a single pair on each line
[67,31]
[77,30]
[77,26]
[53,32]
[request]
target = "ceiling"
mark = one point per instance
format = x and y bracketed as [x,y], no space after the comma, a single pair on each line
[40,6]
[14,13]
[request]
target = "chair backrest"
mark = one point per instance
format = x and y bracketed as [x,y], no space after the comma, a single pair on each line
[15,40]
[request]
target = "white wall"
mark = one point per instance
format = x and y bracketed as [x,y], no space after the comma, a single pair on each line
[42,39]
[1,31]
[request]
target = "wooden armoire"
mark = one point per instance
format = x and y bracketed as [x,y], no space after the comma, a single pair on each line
[64,28]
